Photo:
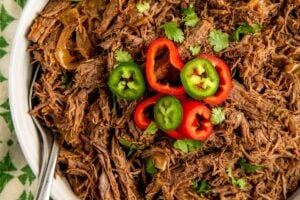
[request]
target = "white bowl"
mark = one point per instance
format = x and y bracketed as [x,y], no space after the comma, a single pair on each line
[19,80]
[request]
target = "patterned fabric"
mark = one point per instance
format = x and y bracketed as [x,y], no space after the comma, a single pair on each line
[17,182]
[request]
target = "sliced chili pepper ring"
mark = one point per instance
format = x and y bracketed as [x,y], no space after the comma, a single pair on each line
[140,118]
[127,81]
[191,126]
[175,60]
[200,78]
[168,113]
[225,80]
[175,134]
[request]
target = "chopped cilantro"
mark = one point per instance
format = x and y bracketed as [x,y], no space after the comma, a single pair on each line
[123,56]
[187,145]
[66,80]
[248,168]
[203,188]
[172,32]
[132,148]
[190,18]
[151,129]
[217,116]
[243,29]
[218,40]
[150,167]
[142,7]
[241,182]
[195,49]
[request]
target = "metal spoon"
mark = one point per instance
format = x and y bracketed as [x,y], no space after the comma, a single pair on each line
[49,148]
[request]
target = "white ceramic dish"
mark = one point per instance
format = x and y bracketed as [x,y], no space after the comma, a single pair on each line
[19,79]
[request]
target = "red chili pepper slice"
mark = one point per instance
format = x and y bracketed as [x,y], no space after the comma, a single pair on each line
[143,122]
[175,60]
[192,126]
[224,78]
[139,113]
[175,134]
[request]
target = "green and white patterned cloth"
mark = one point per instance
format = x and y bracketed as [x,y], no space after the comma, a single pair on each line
[17,182]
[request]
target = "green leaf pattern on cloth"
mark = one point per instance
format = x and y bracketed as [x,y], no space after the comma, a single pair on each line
[28,175]
[5,17]
[25,196]
[17,181]
[21,3]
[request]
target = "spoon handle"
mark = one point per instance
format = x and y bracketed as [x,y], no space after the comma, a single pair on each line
[50,154]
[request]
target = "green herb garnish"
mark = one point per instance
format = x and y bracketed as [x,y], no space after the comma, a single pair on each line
[123,56]
[241,182]
[248,168]
[202,188]
[187,145]
[142,6]
[190,18]
[195,49]
[217,116]
[173,32]
[132,148]
[243,29]
[218,40]
[151,129]
[150,167]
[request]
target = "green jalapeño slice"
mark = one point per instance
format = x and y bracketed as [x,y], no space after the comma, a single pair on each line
[127,81]
[200,78]
[168,113]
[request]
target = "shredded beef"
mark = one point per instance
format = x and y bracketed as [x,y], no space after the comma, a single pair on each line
[262,112]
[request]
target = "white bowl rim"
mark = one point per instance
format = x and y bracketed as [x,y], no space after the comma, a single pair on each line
[18,84]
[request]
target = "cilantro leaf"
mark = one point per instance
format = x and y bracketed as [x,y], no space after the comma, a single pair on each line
[123,56]
[218,40]
[241,182]
[217,116]
[150,167]
[190,18]
[172,32]
[125,142]
[243,29]
[142,7]
[151,129]
[195,49]
[132,148]
[66,80]
[202,189]
[248,168]
[187,145]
